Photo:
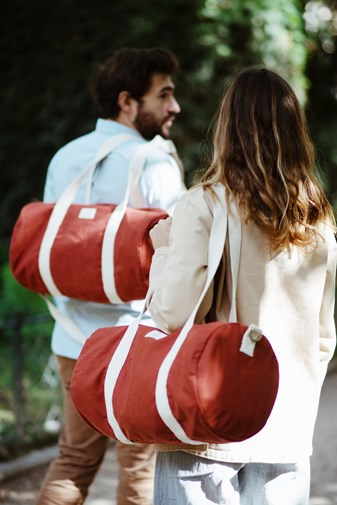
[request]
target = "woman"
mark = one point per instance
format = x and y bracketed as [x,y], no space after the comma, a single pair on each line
[286,284]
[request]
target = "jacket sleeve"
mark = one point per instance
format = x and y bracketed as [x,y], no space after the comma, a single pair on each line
[327,341]
[178,272]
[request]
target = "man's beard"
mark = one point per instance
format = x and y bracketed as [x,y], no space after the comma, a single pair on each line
[148,126]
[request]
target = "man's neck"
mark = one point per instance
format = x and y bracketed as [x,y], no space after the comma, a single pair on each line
[124,120]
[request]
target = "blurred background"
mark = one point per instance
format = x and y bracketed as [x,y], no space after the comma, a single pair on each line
[47,54]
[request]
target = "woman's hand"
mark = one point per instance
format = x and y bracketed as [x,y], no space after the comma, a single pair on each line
[160,233]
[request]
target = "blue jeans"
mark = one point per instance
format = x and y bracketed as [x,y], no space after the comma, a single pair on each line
[184,479]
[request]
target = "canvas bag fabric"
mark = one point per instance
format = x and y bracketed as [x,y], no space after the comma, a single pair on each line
[213,383]
[99,253]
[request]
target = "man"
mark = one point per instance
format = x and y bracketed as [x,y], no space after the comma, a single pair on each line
[134,92]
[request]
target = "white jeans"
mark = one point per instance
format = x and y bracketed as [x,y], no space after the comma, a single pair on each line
[184,479]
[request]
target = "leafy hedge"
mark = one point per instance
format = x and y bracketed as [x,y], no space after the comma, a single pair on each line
[48,50]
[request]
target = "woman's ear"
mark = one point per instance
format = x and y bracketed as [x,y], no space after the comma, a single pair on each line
[128,105]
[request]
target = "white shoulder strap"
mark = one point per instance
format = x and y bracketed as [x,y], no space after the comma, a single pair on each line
[65,321]
[234,234]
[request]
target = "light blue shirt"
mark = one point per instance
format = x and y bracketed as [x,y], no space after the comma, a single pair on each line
[160,186]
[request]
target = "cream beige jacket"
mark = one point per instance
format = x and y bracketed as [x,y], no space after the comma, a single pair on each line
[289,295]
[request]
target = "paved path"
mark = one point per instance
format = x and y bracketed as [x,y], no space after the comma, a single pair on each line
[22,489]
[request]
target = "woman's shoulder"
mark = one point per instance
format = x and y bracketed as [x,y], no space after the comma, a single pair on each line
[326,236]
[330,239]
[192,207]
[198,197]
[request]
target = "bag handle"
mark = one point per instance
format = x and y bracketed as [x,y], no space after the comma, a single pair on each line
[215,251]
[61,208]
[219,229]
[108,247]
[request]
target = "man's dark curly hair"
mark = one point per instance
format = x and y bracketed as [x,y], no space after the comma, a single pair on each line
[129,70]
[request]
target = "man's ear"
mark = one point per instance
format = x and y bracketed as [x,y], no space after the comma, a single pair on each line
[128,105]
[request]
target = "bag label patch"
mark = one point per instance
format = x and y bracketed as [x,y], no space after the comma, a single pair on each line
[87,213]
[156,334]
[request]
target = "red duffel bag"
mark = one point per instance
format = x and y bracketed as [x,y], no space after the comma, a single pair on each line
[214,382]
[99,253]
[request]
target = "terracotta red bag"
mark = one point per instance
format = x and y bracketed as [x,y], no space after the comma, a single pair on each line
[215,392]
[212,383]
[99,253]
[76,255]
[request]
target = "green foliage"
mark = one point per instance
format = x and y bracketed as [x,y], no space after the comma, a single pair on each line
[47,52]
[16,299]
[236,34]
[19,306]
[321,70]
[260,32]
[23,315]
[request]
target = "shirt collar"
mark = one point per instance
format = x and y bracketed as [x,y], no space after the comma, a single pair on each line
[113,127]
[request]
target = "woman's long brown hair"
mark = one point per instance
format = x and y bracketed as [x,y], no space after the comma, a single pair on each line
[265,158]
